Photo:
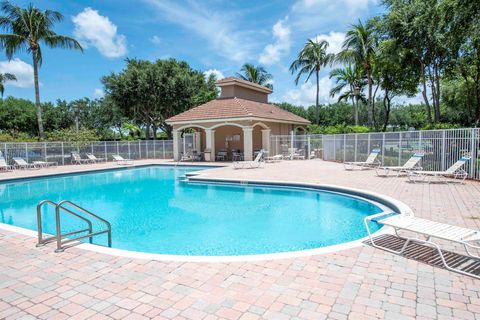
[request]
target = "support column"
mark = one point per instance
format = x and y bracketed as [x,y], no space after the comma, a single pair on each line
[210,142]
[248,144]
[266,139]
[177,140]
[198,138]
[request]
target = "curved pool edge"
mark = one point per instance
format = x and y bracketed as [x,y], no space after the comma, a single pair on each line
[387,201]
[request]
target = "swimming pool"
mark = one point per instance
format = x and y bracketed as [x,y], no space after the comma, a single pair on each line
[152,209]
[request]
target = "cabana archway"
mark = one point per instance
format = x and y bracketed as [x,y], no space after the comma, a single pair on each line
[188,138]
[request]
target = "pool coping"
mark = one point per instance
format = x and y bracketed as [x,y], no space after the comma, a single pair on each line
[199,176]
[103,169]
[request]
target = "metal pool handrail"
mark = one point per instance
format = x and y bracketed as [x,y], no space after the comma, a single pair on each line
[59,237]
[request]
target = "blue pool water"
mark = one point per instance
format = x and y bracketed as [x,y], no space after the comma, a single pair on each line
[152,210]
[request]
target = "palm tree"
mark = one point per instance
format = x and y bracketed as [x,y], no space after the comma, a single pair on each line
[349,84]
[310,60]
[255,74]
[25,28]
[359,47]
[3,78]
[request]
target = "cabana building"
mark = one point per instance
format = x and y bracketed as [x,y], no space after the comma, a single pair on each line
[240,121]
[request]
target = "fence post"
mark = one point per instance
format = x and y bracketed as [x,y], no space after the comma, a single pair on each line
[5,148]
[344,145]
[443,149]
[308,146]
[163,148]
[291,142]
[334,148]
[356,143]
[399,149]
[420,141]
[154,144]
[472,152]
[383,148]
[140,149]
[368,144]
[26,151]
[63,155]
[105,150]
[117,148]
[129,154]
[45,150]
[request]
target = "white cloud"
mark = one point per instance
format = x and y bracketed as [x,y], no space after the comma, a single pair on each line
[217,28]
[22,70]
[93,29]
[98,93]
[273,52]
[334,39]
[305,94]
[155,40]
[217,73]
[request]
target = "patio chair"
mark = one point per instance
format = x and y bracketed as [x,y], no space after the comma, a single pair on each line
[237,155]
[77,159]
[296,154]
[94,159]
[370,163]
[45,164]
[411,164]
[118,159]
[221,155]
[20,163]
[454,173]
[185,156]
[275,158]
[4,166]
[470,239]
[257,163]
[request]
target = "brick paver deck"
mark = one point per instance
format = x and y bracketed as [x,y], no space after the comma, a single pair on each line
[359,283]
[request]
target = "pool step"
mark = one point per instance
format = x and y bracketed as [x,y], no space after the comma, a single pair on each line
[66,206]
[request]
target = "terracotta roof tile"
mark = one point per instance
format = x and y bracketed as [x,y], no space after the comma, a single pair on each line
[235,108]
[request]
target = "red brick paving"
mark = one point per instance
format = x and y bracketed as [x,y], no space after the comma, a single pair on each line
[360,283]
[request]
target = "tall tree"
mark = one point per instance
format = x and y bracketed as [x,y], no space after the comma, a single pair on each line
[255,74]
[359,47]
[151,92]
[4,77]
[349,86]
[309,61]
[26,28]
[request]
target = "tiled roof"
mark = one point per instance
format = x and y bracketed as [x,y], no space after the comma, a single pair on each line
[238,81]
[236,108]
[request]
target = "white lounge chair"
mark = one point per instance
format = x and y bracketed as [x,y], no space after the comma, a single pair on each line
[118,159]
[20,163]
[454,173]
[296,154]
[45,164]
[371,162]
[275,158]
[94,159]
[77,159]
[411,164]
[4,166]
[470,239]
[257,163]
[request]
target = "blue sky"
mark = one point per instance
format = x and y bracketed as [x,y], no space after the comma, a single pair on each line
[212,36]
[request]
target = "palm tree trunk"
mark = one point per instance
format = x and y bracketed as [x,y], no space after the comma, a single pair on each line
[370,105]
[317,112]
[37,96]
[354,108]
